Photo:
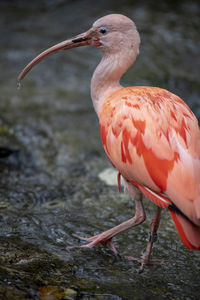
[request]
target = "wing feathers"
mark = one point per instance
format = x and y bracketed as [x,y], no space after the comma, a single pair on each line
[158,199]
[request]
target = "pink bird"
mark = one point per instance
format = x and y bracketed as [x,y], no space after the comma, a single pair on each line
[149,135]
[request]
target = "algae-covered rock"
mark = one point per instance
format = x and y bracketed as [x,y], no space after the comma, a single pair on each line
[24,267]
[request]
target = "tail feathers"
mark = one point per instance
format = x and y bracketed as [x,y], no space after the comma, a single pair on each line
[189,233]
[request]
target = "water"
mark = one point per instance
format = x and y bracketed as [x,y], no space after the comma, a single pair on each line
[50,186]
[19,85]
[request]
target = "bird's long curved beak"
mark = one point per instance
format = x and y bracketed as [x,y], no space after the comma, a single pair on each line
[82,39]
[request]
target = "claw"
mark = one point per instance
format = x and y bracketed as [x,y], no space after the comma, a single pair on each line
[83,238]
[95,240]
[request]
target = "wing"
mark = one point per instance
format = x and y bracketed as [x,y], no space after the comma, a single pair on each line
[152,137]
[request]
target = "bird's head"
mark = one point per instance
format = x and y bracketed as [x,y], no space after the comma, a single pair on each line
[112,33]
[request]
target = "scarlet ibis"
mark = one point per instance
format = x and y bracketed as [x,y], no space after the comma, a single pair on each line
[149,135]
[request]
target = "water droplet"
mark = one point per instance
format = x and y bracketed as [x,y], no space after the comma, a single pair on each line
[19,85]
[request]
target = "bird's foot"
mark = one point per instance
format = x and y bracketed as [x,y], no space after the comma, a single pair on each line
[143,261]
[95,240]
[105,238]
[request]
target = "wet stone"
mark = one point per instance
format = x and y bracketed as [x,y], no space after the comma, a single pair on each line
[70,294]
[24,267]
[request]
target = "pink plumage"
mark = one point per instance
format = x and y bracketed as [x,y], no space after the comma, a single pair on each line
[153,139]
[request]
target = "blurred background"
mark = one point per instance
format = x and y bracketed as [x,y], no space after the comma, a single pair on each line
[52,160]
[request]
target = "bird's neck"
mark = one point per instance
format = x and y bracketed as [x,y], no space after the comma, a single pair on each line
[106,77]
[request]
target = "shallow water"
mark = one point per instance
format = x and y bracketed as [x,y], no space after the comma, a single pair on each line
[50,186]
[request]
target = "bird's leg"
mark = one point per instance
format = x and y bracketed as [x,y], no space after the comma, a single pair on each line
[105,238]
[152,238]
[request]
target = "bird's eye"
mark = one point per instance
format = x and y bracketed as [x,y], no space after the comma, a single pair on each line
[103,30]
